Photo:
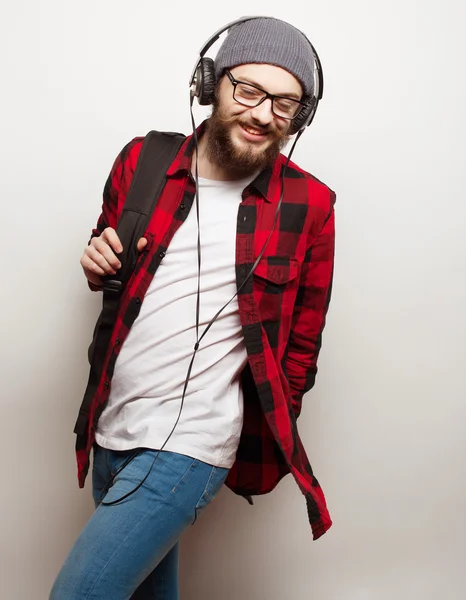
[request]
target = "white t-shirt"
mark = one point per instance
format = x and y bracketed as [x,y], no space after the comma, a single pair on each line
[151,369]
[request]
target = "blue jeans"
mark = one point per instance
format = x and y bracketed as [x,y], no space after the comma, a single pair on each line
[130,549]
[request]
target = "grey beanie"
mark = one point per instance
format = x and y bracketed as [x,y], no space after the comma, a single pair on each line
[270,41]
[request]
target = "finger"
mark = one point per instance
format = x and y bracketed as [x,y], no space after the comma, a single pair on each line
[99,254]
[91,266]
[106,251]
[142,244]
[93,278]
[110,236]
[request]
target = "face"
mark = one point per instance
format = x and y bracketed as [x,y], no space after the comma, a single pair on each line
[247,139]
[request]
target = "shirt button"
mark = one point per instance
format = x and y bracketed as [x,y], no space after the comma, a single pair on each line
[162,254]
[107,385]
[182,206]
[138,300]
[117,341]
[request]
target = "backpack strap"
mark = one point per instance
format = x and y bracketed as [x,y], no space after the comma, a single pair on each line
[158,152]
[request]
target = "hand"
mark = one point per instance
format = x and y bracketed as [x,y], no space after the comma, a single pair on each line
[100,258]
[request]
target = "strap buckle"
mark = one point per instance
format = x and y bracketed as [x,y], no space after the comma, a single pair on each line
[113,286]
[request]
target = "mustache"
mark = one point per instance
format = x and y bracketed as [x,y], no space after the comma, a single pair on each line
[265,130]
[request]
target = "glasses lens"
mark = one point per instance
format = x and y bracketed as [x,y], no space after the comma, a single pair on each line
[286,107]
[246,94]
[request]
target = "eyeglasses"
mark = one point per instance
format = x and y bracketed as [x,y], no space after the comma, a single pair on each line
[251,95]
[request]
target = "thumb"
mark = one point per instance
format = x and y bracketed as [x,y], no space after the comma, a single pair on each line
[142,244]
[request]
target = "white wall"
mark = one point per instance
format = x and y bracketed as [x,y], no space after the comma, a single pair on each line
[384,426]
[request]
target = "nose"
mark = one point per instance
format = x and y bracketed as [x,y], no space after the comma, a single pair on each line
[263,112]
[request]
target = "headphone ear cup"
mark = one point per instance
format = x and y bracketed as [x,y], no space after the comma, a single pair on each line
[205,81]
[303,118]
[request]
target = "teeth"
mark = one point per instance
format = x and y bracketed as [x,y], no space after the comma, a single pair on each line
[253,131]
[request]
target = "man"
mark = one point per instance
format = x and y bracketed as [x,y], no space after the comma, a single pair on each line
[236,420]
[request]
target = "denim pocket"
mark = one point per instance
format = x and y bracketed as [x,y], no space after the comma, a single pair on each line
[214,483]
[191,467]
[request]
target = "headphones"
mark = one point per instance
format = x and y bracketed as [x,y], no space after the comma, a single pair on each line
[202,83]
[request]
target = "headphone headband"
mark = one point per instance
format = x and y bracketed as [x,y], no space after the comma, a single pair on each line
[213,38]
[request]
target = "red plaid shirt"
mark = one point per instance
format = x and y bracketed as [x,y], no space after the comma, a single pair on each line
[282,309]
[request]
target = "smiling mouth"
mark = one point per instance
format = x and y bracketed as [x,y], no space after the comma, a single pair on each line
[253,132]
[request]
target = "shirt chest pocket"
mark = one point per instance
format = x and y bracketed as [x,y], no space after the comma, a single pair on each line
[275,281]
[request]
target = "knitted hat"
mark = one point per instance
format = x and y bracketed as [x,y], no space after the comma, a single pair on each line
[269,41]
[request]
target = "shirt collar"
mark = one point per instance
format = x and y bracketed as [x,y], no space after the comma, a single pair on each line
[266,183]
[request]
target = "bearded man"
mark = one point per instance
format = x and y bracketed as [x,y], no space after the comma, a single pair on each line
[239,410]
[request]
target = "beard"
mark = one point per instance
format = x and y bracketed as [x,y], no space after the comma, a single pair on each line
[222,150]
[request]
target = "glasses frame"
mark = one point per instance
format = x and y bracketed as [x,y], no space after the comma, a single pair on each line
[272,97]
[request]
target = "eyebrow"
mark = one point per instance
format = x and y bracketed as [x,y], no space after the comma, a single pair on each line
[285,95]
